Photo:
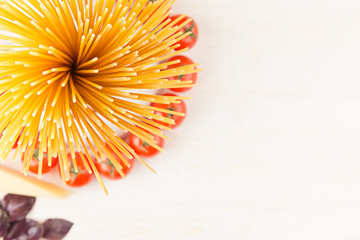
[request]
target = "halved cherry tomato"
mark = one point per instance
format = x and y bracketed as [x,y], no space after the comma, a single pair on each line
[80,178]
[183,62]
[143,148]
[107,168]
[34,163]
[192,27]
[177,107]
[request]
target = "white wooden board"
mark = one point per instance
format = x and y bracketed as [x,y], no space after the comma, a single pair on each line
[270,147]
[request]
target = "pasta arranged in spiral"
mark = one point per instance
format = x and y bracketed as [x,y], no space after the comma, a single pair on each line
[71,70]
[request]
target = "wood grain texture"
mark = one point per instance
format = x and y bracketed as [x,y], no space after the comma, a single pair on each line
[270,147]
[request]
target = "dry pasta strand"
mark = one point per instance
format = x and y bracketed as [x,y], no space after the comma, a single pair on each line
[69,68]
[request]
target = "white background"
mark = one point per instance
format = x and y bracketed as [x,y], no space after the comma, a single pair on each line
[270,146]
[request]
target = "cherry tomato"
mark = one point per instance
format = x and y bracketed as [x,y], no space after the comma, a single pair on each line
[177,107]
[16,142]
[80,178]
[152,1]
[143,148]
[17,139]
[34,163]
[183,62]
[192,27]
[107,168]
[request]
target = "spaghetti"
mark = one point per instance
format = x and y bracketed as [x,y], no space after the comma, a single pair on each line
[72,67]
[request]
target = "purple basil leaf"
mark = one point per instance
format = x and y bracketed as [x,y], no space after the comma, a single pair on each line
[25,230]
[4,222]
[15,229]
[17,206]
[56,229]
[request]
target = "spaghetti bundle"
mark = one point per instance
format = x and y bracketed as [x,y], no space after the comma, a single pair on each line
[70,70]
